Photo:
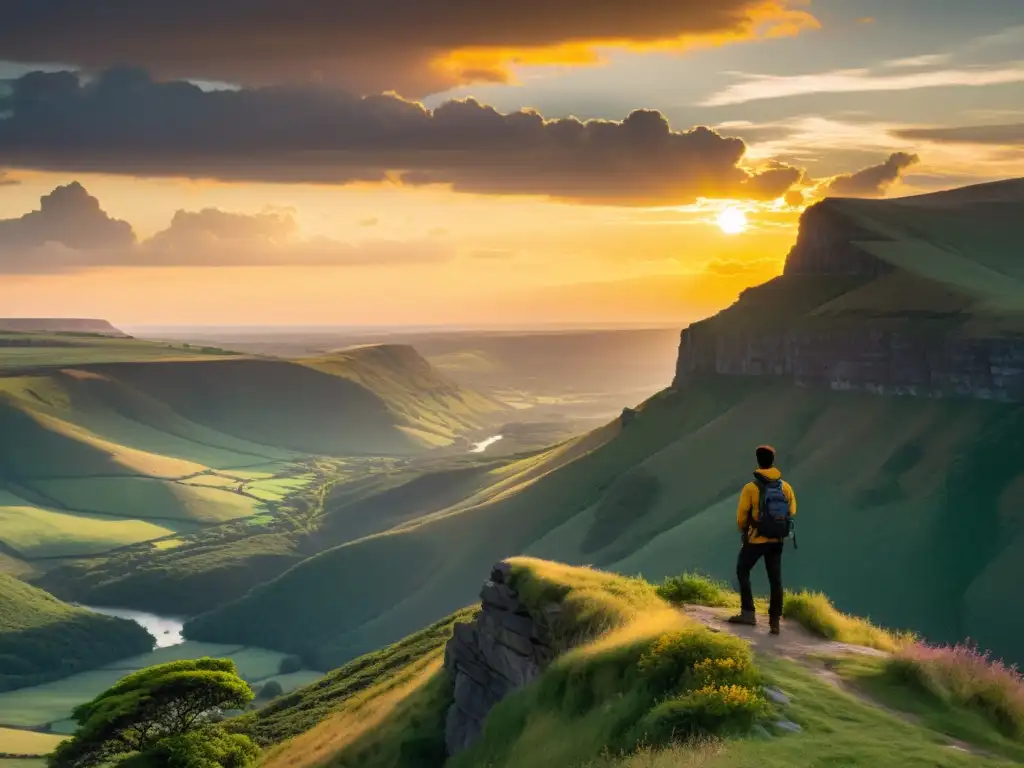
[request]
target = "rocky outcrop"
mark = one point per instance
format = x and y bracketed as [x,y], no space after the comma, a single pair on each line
[826,245]
[628,416]
[873,360]
[502,650]
[879,348]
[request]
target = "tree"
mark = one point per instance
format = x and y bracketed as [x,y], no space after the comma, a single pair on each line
[150,710]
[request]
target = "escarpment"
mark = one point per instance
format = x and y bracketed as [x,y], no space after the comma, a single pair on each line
[918,296]
[504,649]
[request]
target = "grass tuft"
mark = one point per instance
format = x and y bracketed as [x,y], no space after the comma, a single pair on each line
[697,589]
[966,676]
[589,602]
[816,613]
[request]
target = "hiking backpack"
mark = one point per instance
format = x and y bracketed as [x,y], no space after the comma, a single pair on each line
[773,521]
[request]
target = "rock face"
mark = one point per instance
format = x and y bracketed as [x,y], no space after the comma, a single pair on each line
[878,361]
[885,350]
[826,246]
[502,650]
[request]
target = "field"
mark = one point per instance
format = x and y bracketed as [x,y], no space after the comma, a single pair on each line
[43,350]
[18,742]
[106,443]
[51,703]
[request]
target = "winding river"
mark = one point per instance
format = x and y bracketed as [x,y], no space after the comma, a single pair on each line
[483,445]
[167,631]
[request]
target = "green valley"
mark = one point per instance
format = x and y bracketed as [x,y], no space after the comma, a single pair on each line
[110,442]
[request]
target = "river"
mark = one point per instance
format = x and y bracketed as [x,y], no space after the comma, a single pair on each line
[483,445]
[167,631]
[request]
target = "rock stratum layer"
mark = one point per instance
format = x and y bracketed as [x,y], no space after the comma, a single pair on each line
[917,296]
[502,650]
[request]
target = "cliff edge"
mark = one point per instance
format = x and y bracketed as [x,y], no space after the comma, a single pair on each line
[916,296]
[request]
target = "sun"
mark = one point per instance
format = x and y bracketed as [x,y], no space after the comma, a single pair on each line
[732,221]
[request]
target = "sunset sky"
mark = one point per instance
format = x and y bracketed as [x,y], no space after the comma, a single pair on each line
[444,161]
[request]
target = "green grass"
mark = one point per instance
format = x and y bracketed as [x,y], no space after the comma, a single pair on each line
[372,674]
[41,704]
[42,638]
[60,350]
[849,456]
[697,589]
[18,742]
[815,611]
[148,498]
[888,682]
[103,430]
[630,651]
[36,531]
[640,677]
[838,729]
[53,702]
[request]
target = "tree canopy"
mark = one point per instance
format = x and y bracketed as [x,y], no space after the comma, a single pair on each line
[164,709]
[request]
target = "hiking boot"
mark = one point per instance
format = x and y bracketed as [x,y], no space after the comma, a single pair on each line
[748,618]
[773,625]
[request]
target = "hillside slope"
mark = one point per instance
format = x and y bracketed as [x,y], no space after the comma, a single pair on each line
[662,493]
[99,455]
[634,680]
[921,295]
[922,488]
[43,639]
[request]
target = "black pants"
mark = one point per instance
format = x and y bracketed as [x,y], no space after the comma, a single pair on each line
[749,555]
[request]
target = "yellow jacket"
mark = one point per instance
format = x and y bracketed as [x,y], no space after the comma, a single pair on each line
[749,508]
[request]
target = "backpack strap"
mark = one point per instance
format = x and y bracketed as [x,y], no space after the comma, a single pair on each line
[760,484]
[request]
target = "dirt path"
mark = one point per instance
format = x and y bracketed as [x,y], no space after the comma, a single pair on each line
[814,653]
[795,643]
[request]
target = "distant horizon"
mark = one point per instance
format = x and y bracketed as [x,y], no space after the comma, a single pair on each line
[400,328]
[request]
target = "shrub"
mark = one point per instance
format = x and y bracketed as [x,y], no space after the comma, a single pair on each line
[710,710]
[964,675]
[696,588]
[207,747]
[688,659]
[289,664]
[815,612]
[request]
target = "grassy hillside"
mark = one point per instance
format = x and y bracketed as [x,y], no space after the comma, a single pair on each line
[42,638]
[643,685]
[661,492]
[331,637]
[104,445]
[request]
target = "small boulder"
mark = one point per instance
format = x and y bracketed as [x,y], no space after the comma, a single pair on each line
[788,725]
[774,694]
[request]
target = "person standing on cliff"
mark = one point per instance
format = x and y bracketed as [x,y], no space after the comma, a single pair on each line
[764,517]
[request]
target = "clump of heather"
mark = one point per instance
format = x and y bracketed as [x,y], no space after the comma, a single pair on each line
[965,675]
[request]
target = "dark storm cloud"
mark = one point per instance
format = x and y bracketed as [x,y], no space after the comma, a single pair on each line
[367,47]
[71,232]
[873,180]
[124,122]
[1011,134]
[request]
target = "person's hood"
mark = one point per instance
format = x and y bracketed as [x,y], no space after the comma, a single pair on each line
[768,475]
